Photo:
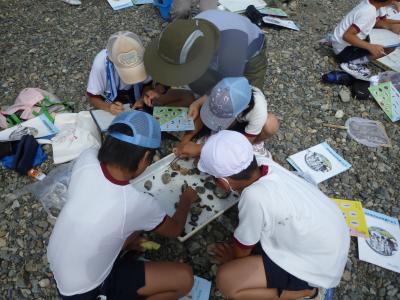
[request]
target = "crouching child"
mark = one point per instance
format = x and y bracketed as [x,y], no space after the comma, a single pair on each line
[302,233]
[104,210]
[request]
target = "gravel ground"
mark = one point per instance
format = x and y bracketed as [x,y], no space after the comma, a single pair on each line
[51,45]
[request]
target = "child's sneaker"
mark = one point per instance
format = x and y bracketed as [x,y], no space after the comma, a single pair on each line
[260,150]
[358,71]
[73,2]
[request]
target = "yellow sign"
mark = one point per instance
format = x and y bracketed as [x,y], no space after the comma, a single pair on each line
[354,216]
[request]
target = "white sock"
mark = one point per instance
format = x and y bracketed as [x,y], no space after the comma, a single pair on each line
[360,61]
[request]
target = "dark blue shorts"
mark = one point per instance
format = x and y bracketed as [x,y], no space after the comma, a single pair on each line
[351,53]
[278,278]
[125,278]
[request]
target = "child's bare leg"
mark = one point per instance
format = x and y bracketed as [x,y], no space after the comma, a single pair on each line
[161,285]
[270,128]
[175,97]
[245,279]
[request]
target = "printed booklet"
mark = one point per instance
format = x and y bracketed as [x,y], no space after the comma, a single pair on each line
[321,162]
[382,246]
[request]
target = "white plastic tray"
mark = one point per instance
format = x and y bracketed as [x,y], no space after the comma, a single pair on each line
[168,194]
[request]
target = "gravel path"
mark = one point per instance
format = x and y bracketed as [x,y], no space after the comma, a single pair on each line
[51,45]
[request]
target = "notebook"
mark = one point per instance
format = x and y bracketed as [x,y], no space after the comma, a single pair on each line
[385,38]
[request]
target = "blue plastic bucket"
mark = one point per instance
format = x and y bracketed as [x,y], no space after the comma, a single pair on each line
[164,6]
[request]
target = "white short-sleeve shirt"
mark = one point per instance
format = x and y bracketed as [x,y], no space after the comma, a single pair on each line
[363,17]
[93,225]
[299,228]
[257,117]
[98,83]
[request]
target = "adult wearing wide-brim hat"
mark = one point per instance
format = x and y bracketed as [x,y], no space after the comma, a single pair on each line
[200,52]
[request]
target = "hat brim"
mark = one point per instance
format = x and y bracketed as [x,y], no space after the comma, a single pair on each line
[132,75]
[177,75]
[213,122]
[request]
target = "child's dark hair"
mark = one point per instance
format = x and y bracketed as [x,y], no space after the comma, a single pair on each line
[248,172]
[251,104]
[121,154]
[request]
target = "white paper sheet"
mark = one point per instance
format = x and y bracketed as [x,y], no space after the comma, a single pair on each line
[382,247]
[385,38]
[120,4]
[280,22]
[103,118]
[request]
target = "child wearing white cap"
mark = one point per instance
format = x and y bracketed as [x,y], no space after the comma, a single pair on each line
[104,214]
[233,103]
[118,75]
[303,235]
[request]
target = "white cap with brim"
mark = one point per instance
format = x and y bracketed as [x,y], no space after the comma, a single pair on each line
[225,153]
[126,51]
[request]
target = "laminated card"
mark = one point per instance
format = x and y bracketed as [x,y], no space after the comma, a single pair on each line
[320,162]
[354,216]
[382,246]
[388,98]
[272,11]
[240,6]
[173,118]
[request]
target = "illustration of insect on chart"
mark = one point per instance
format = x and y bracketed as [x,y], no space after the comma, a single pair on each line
[388,98]
[173,118]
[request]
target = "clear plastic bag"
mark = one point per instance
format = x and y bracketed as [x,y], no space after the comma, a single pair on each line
[52,190]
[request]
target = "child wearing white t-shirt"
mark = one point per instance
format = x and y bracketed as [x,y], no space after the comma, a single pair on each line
[233,103]
[302,233]
[350,36]
[118,75]
[104,215]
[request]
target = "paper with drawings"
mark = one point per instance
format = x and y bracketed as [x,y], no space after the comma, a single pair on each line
[388,98]
[39,127]
[382,246]
[282,23]
[173,118]
[321,162]
[240,6]
[392,60]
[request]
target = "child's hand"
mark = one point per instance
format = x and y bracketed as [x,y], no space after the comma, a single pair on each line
[194,110]
[188,149]
[138,104]
[116,108]
[189,195]
[376,50]
[395,28]
[221,252]
[149,96]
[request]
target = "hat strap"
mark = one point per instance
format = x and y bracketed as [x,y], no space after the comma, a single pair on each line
[188,45]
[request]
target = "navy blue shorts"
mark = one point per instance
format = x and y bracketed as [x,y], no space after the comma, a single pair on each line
[125,278]
[351,53]
[278,278]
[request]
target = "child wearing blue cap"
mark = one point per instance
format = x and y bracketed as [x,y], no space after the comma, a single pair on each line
[234,104]
[104,215]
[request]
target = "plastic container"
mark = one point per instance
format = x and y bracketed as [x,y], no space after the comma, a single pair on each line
[164,6]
